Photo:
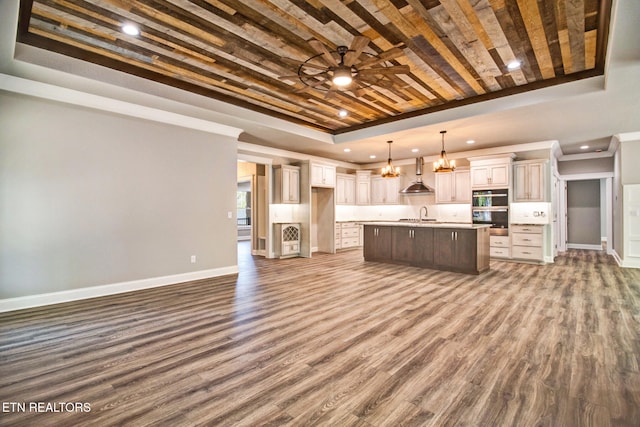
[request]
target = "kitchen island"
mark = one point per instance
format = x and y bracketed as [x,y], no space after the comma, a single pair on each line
[458,247]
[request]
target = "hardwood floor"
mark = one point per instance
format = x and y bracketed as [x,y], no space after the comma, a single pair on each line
[334,340]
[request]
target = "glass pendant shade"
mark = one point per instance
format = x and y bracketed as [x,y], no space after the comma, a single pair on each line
[342,76]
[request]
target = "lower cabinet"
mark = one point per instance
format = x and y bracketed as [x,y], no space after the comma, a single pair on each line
[377,243]
[460,249]
[412,246]
[288,244]
[527,242]
[348,235]
[456,248]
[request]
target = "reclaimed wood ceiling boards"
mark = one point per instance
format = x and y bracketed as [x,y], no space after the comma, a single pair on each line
[457,50]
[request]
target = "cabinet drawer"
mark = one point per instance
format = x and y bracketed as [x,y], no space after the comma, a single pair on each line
[523,239]
[533,229]
[350,243]
[495,252]
[290,248]
[525,252]
[350,232]
[499,241]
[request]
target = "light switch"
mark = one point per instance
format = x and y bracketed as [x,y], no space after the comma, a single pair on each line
[230,215]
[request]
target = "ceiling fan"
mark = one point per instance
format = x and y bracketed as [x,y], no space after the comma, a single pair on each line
[347,68]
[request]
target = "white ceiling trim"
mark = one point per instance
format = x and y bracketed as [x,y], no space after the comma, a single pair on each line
[74,97]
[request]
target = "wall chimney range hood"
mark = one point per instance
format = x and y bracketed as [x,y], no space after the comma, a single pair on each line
[417,187]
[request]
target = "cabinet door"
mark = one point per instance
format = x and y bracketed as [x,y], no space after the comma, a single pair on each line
[456,249]
[499,176]
[384,191]
[392,191]
[479,176]
[377,243]
[377,191]
[323,176]
[462,185]
[293,185]
[521,185]
[465,249]
[444,187]
[536,182]
[403,244]
[423,247]
[345,190]
[363,192]
[443,239]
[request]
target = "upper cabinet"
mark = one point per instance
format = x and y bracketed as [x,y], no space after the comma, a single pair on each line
[385,191]
[363,187]
[323,175]
[345,189]
[287,188]
[491,173]
[529,181]
[453,187]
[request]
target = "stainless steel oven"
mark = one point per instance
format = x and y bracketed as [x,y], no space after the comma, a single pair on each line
[490,198]
[491,207]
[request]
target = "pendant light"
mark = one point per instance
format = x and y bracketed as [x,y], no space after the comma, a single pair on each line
[443,164]
[389,171]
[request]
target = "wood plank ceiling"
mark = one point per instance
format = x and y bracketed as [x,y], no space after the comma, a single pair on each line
[457,50]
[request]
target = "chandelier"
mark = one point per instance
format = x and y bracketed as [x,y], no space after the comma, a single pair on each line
[389,171]
[443,164]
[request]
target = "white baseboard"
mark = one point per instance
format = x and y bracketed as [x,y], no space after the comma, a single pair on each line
[581,246]
[30,301]
[616,257]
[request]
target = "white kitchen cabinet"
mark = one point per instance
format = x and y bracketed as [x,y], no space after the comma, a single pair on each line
[345,189]
[527,242]
[499,247]
[490,173]
[363,187]
[288,235]
[323,175]
[529,181]
[348,235]
[453,187]
[287,187]
[385,191]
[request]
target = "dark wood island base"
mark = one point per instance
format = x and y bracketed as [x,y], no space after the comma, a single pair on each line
[462,248]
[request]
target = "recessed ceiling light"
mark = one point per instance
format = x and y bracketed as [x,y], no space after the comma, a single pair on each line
[347,150]
[343,113]
[598,150]
[414,150]
[373,156]
[471,141]
[513,65]
[584,147]
[130,29]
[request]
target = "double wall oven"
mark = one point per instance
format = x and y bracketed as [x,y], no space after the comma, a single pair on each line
[491,207]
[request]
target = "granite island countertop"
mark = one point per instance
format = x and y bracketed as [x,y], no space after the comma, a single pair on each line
[431,224]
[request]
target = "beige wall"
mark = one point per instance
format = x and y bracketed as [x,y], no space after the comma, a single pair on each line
[89,198]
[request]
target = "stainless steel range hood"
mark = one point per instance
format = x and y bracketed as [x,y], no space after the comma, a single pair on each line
[417,187]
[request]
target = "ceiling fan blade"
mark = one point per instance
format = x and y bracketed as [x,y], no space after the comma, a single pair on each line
[289,77]
[396,69]
[376,81]
[297,63]
[330,94]
[355,50]
[384,56]
[319,47]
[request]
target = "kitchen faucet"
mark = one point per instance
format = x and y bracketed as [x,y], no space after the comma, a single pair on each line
[426,212]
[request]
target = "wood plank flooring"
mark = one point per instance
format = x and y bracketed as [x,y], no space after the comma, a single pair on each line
[334,340]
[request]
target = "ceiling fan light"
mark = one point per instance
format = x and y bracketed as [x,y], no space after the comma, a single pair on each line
[342,76]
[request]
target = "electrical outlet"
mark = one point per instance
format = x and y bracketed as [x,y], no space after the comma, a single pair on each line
[193,259]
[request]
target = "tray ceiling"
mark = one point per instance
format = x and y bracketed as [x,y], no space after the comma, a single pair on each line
[457,50]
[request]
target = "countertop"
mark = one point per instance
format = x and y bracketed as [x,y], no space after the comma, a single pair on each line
[431,224]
